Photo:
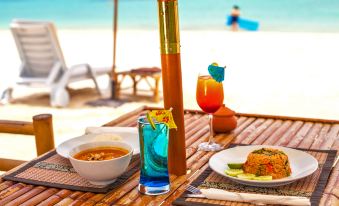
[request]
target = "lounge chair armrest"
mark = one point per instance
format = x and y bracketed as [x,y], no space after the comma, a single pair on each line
[54,74]
[88,69]
[83,70]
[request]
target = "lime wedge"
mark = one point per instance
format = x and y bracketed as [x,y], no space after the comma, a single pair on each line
[235,165]
[234,172]
[263,178]
[150,120]
[246,176]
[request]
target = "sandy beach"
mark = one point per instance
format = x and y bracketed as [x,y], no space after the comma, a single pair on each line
[292,74]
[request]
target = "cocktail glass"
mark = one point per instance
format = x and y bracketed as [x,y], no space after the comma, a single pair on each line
[210,97]
[154,178]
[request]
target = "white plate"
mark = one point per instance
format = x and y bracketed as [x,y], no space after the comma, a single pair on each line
[302,164]
[128,135]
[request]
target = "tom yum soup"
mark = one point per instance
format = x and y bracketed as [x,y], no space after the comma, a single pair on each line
[101,153]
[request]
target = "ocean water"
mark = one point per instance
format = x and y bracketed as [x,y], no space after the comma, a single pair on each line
[273,15]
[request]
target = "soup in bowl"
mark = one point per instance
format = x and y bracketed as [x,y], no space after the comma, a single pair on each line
[101,162]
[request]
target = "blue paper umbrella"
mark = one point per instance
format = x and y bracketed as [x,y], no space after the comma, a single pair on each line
[217,73]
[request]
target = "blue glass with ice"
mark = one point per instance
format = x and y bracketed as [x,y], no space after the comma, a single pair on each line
[154,178]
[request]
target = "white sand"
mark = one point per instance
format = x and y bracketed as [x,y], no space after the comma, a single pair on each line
[294,74]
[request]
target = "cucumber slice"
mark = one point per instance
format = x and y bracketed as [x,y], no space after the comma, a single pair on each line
[234,172]
[263,178]
[246,176]
[235,165]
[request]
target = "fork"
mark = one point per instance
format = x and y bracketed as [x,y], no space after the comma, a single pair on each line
[193,189]
[196,193]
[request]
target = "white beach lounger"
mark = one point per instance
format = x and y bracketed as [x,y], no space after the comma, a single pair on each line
[43,64]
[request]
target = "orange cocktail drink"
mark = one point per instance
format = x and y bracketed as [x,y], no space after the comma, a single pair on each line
[210,94]
[210,97]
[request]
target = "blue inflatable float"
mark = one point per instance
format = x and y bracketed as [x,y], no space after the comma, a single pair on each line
[244,24]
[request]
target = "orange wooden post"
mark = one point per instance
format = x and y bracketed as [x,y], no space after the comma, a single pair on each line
[172,82]
[43,131]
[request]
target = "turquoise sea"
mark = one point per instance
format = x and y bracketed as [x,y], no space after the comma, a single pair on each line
[273,15]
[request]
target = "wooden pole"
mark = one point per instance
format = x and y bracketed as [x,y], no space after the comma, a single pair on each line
[16,127]
[172,82]
[43,131]
[114,79]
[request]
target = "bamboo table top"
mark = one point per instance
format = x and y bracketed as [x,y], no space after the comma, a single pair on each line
[251,129]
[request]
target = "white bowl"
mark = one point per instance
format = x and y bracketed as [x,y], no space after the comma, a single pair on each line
[101,172]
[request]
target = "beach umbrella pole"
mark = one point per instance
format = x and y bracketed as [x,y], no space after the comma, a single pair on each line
[114,79]
[172,82]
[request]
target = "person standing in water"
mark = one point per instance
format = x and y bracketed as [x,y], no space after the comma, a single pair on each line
[235,13]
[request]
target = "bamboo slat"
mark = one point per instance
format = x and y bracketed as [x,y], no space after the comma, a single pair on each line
[268,132]
[69,199]
[116,194]
[309,139]
[320,138]
[277,134]
[249,130]
[57,197]
[289,134]
[10,190]
[195,135]
[40,197]
[27,196]
[93,200]
[252,129]
[304,119]
[331,137]
[244,125]
[5,184]
[299,136]
[240,120]
[333,183]
[191,125]
[16,195]
[81,199]
[241,126]
[188,117]
[250,138]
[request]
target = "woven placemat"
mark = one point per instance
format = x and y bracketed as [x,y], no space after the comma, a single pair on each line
[312,186]
[53,170]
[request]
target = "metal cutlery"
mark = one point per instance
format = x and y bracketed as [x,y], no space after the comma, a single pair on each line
[196,193]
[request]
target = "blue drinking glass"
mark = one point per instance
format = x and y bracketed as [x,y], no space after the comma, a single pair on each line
[154,178]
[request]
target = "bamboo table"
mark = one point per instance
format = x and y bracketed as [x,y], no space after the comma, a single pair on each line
[252,129]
